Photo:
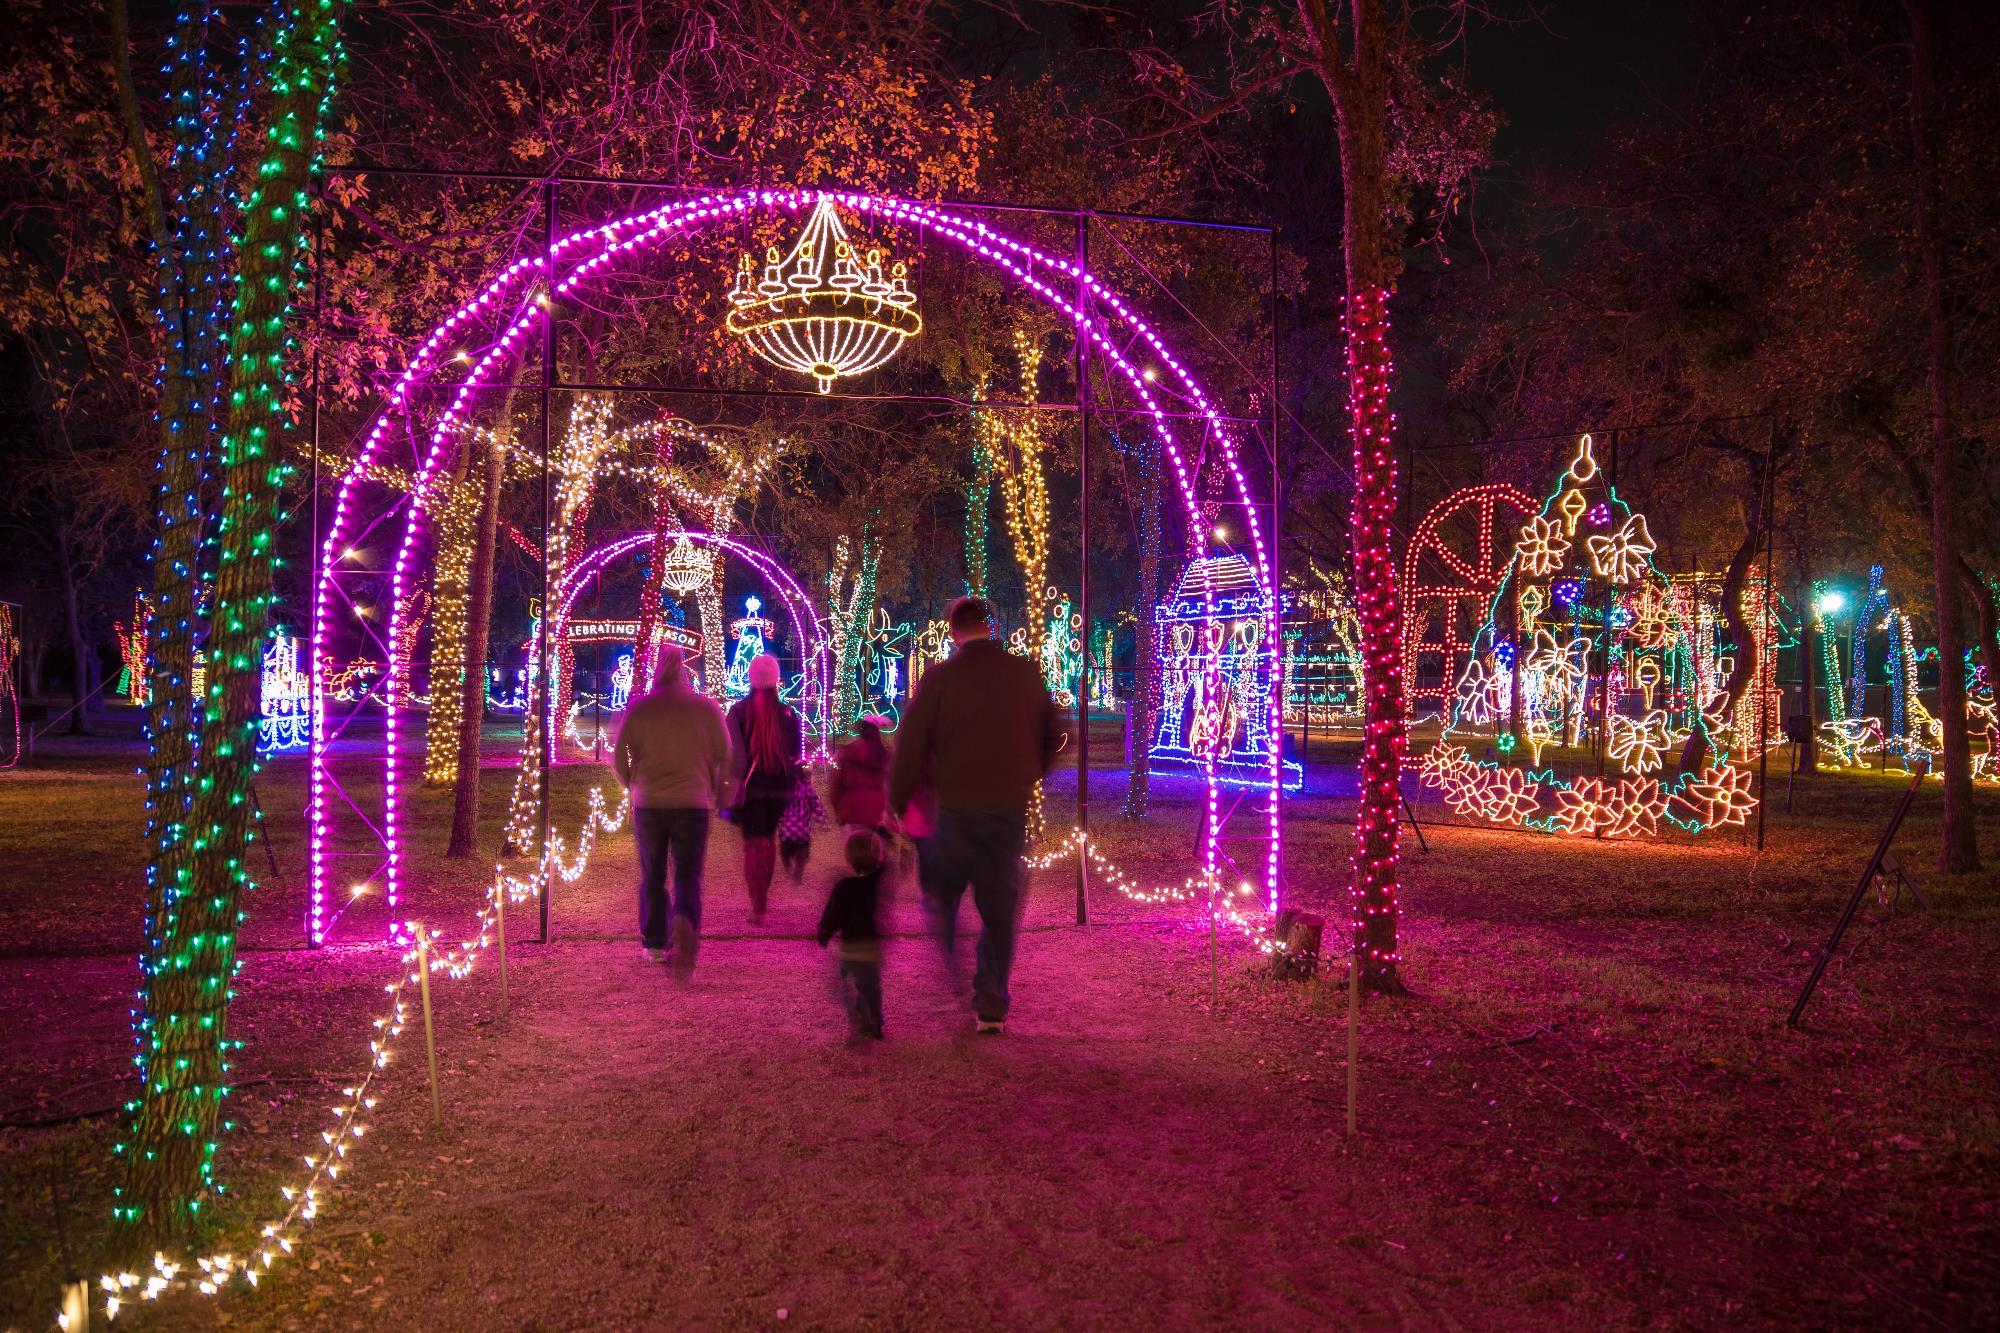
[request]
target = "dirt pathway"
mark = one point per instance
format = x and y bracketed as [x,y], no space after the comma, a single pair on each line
[623,1152]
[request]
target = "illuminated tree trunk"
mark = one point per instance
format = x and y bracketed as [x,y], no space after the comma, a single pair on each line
[1694,754]
[714,630]
[188,288]
[1959,852]
[978,502]
[1809,651]
[653,596]
[79,649]
[170,1154]
[1357,82]
[478,645]
[457,516]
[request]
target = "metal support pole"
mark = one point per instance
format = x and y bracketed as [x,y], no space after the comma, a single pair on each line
[500,939]
[1770,583]
[312,652]
[1083,576]
[1854,900]
[1604,682]
[1278,592]
[1353,1034]
[1214,956]
[547,698]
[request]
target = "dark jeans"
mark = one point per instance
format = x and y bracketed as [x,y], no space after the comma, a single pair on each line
[984,850]
[861,986]
[683,836]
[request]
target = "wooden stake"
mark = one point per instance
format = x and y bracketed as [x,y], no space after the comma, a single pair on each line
[430,1036]
[1353,1034]
[1214,959]
[76,1306]
[500,932]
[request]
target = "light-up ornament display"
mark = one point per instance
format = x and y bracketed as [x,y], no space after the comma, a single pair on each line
[1062,649]
[1322,652]
[1216,675]
[286,720]
[133,641]
[824,310]
[621,683]
[1451,570]
[884,651]
[1911,731]
[1615,627]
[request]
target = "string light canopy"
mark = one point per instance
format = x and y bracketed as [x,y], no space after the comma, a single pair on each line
[824,310]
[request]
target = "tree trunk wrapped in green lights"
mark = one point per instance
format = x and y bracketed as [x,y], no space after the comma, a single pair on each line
[193,955]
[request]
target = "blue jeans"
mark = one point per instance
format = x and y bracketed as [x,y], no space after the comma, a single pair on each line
[681,835]
[982,849]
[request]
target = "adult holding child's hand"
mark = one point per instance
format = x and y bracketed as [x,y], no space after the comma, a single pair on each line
[981,732]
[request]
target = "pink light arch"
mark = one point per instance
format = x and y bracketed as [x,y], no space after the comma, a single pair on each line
[614,242]
[798,606]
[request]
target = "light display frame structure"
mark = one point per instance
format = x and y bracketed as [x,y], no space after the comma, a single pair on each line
[499,329]
[1440,584]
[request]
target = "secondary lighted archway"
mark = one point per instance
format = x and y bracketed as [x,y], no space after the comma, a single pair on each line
[806,624]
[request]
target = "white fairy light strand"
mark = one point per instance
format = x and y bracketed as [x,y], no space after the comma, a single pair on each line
[209,1274]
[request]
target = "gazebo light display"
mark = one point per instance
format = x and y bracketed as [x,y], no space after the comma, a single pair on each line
[286,719]
[824,310]
[1583,624]
[1216,675]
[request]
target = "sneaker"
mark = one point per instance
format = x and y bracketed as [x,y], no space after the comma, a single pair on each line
[989,1027]
[657,955]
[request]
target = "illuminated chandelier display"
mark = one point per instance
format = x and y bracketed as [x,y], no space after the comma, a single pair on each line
[686,568]
[823,310]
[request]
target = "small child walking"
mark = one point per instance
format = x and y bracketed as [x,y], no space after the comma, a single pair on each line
[860,791]
[803,814]
[851,915]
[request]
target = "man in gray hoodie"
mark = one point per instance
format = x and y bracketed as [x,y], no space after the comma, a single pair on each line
[670,756]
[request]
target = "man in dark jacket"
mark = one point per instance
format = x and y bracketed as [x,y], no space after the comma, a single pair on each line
[981,732]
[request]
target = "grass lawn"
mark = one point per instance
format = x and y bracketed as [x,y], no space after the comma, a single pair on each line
[1589,1110]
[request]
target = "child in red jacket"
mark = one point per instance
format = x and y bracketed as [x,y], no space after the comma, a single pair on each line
[861,779]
